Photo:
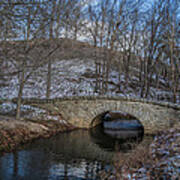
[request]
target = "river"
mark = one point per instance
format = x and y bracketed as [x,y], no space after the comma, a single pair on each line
[75,155]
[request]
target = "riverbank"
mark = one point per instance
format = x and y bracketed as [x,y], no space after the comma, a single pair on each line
[14,133]
[159,160]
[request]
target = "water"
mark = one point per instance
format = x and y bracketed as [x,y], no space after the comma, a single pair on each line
[75,155]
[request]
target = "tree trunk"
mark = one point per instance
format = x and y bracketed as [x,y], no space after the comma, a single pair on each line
[143,84]
[20,93]
[99,78]
[148,74]
[127,70]
[48,91]
[173,73]
[22,80]
[96,83]
[104,59]
[107,72]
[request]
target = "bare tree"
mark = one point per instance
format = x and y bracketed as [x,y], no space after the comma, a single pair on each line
[29,63]
[170,42]
[93,29]
[51,24]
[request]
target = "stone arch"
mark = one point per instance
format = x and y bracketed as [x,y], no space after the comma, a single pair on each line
[82,111]
[97,119]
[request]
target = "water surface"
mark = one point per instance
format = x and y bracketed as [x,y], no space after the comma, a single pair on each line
[76,155]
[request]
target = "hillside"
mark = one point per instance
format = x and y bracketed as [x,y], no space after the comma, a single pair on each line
[73,71]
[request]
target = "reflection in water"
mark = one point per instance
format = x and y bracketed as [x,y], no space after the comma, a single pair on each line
[118,140]
[122,126]
[79,154]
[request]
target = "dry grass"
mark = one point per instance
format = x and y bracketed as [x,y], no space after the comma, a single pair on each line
[137,158]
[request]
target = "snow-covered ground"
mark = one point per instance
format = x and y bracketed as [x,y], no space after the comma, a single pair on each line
[75,77]
[69,77]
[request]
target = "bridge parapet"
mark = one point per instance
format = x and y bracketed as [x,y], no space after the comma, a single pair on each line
[116,98]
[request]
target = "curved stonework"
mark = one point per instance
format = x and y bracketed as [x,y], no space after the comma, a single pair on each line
[84,112]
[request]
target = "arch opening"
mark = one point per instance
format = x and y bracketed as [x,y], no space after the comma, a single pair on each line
[118,124]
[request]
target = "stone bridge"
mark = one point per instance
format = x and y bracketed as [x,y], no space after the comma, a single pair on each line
[86,112]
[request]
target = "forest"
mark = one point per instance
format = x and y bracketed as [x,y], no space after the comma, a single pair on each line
[138,40]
